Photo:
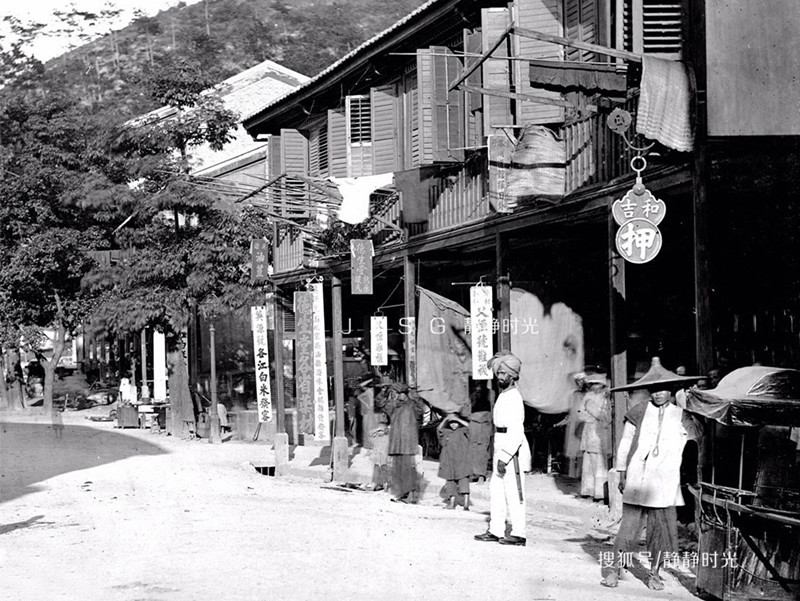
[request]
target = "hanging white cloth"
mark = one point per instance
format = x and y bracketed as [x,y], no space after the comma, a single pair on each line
[355,193]
[663,113]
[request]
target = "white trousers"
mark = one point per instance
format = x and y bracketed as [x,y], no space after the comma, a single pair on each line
[505,501]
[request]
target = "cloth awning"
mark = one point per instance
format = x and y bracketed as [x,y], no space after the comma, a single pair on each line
[566,74]
[751,396]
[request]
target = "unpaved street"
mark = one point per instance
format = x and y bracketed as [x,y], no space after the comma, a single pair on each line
[112,515]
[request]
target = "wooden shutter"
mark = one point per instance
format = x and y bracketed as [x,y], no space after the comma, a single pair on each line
[543,16]
[448,106]
[337,143]
[425,106]
[496,73]
[473,102]
[359,135]
[410,124]
[275,168]
[385,149]
[580,24]
[318,148]
[294,159]
[652,27]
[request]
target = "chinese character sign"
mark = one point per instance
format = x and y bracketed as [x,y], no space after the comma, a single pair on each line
[379,339]
[321,421]
[481,332]
[304,360]
[638,213]
[258,322]
[259,251]
[411,350]
[361,253]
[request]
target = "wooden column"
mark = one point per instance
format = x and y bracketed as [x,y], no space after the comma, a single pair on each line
[503,293]
[277,353]
[617,329]
[700,176]
[143,348]
[410,302]
[338,355]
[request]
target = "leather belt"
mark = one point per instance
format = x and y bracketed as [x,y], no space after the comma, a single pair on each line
[501,430]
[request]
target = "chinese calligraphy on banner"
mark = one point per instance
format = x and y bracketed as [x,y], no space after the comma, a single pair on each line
[259,251]
[638,213]
[361,253]
[321,420]
[411,353]
[258,322]
[379,338]
[304,360]
[480,308]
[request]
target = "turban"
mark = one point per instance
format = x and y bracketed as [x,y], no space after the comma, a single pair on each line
[507,359]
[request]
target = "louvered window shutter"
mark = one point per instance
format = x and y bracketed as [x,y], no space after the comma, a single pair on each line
[447,123]
[294,159]
[318,148]
[384,128]
[337,143]
[474,102]
[409,129]
[425,104]
[496,73]
[580,24]
[652,27]
[543,16]
[359,136]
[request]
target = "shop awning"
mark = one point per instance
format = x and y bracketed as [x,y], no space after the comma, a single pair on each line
[751,396]
[566,74]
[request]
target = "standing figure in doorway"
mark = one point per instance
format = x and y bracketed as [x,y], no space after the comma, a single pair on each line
[454,464]
[404,411]
[649,461]
[480,430]
[512,455]
[593,413]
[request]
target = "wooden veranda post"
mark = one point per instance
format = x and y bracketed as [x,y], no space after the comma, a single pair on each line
[338,355]
[143,343]
[409,300]
[616,320]
[503,293]
[277,354]
[213,418]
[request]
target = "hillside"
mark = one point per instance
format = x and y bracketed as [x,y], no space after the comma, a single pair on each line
[223,37]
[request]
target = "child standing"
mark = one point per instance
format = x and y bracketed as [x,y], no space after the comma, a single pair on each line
[58,422]
[379,436]
[454,465]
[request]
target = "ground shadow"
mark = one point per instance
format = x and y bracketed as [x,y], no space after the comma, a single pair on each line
[6,528]
[32,453]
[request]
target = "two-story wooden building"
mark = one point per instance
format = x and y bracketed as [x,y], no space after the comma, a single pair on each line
[493,118]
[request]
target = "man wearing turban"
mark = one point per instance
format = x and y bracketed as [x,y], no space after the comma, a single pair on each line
[512,455]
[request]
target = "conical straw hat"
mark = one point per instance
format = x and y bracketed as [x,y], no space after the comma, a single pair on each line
[658,378]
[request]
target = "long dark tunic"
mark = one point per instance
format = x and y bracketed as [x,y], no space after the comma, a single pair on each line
[454,461]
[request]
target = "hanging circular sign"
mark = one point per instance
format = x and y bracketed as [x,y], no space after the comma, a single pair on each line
[638,240]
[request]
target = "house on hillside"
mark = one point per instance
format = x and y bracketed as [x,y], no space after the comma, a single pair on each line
[231,173]
[508,130]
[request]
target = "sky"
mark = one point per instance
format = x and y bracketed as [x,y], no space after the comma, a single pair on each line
[42,11]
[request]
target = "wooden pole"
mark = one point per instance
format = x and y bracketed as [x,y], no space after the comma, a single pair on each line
[213,422]
[410,308]
[277,351]
[338,355]
[503,293]
[617,342]
[554,39]
[143,347]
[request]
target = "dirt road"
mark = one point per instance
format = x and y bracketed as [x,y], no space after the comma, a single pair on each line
[112,515]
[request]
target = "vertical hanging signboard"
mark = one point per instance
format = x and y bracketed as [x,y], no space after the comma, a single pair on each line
[379,339]
[361,253]
[321,419]
[304,361]
[258,322]
[259,252]
[480,309]
[411,350]
[501,150]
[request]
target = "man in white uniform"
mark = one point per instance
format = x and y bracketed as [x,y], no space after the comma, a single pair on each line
[512,455]
[648,461]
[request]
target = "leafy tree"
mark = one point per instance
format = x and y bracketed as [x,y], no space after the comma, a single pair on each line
[53,168]
[189,252]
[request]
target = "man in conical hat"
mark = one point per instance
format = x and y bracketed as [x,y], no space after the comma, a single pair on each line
[512,455]
[648,461]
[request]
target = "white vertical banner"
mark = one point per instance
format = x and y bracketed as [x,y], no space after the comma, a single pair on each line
[378,340]
[321,414]
[480,317]
[258,323]
[159,366]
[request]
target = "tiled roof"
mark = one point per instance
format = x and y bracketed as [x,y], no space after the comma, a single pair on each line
[371,42]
